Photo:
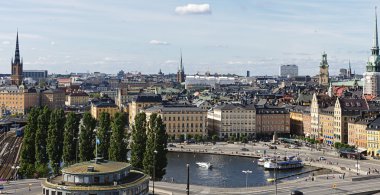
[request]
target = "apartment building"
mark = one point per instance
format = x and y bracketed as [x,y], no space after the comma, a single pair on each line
[141,102]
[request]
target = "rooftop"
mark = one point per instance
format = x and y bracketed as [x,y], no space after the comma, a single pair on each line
[100,167]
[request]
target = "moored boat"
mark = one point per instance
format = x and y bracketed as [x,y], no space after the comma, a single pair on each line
[204,165]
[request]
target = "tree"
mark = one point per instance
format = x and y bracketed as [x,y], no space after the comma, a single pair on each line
[27,156]
[55,141]
[43,120]
[118,144]
[70,137]
[103,134]
[138,144]
[87,137]
[156,148]
[214,138]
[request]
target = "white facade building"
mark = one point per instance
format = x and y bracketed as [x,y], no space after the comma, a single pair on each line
[194,81]
[289,70]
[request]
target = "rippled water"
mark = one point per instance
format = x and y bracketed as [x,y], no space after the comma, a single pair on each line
[226,171]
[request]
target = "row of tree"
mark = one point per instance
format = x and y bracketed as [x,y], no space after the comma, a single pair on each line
[149,145]
[53,138]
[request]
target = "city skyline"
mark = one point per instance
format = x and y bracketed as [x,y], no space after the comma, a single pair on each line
[230,37]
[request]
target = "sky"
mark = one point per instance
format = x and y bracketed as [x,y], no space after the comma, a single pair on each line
[223,36]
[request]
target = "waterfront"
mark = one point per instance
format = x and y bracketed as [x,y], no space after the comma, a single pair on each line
[226,172]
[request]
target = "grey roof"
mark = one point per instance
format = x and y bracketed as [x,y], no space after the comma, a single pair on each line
[234,106]
[174,109]
[148,98]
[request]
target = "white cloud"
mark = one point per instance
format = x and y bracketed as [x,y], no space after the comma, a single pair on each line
[193,9]
[5,42]
[171,62]
[52,43]
[157,42]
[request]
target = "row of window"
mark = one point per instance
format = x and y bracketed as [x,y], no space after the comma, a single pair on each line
[183,118]
[183,125]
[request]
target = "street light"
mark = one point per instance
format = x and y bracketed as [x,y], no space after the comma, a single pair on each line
[13,168]
[188,179]
[246,172]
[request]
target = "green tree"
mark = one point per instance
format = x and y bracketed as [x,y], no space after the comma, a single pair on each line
[156,148]
[27,156]
[70,137]
[138,143]
[43,120]
[87,137]
[118,147]
[55,141]
[214,138]
[103,134]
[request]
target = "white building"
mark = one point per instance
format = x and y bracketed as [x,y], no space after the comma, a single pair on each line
[289,70]
[372,75]
[195,81]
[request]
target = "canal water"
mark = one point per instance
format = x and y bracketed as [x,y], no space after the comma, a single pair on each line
[226,171]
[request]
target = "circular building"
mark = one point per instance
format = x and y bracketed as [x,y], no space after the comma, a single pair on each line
[97,178]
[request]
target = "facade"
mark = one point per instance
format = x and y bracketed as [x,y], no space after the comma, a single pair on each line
[296,122]
[77,99]
[232,120]
[36,75]
[372,74]
[121,97]
[18,100]
[17,66]
[102,106]
[141,102]
[53,98]
[323,78]
[373,137]
[181,72]
[204,81]
[357,132]
[289,70]
[101,178]
[344,109]
[326,120]
[181,120]
[314,120]
[270,119]
[306,120]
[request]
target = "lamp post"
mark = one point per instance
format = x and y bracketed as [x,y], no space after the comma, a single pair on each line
[188,179]
[246,172]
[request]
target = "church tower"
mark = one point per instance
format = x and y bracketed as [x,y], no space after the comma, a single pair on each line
[324,71]
[16,76]
[181,72]
[372,74]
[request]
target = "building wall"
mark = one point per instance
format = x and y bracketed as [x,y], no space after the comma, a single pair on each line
[373,142]
[270,123]
[306,124]
[136,107]
[54,99]
[184,122]
[18,102]
[95,111]
[327,127]
[75,100]
[371,83]
[357,135]
[296,123]
[314,122]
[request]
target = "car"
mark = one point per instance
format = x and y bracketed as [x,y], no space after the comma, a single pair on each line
[244,149]
[272,147]
[322,158]
[171,145]
[296,192]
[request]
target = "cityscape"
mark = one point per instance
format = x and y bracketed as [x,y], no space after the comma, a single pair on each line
[174,97]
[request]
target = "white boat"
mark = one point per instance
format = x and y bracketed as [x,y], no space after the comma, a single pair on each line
[262,160]
[289,163]
[204,165]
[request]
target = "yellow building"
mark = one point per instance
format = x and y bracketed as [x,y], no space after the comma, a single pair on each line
[326,120]
[99,107]
[373,138]
[17,100]
[77,99]
[181,120]
[142,102]
[346,108]
[357,132]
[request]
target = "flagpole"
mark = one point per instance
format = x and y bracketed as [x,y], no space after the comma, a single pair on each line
[96,148]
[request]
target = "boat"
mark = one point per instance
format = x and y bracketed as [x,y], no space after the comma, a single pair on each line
[288,163]
[271,179]
[204,165]
[262,160]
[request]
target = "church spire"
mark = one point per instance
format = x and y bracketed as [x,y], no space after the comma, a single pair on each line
[17,52]
[180,63]
[375,47]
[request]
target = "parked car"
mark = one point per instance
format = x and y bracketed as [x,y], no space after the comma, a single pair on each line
[244,149]
[272,147]
[322,158]
[296,192]
[171,145]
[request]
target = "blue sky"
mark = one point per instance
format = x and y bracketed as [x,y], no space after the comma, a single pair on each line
[224,36]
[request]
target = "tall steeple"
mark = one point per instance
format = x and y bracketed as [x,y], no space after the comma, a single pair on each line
[180,68]
[375,47]
[17,52]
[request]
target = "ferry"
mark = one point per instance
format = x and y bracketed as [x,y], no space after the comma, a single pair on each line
[289,163]
[262,160]
[204,165]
